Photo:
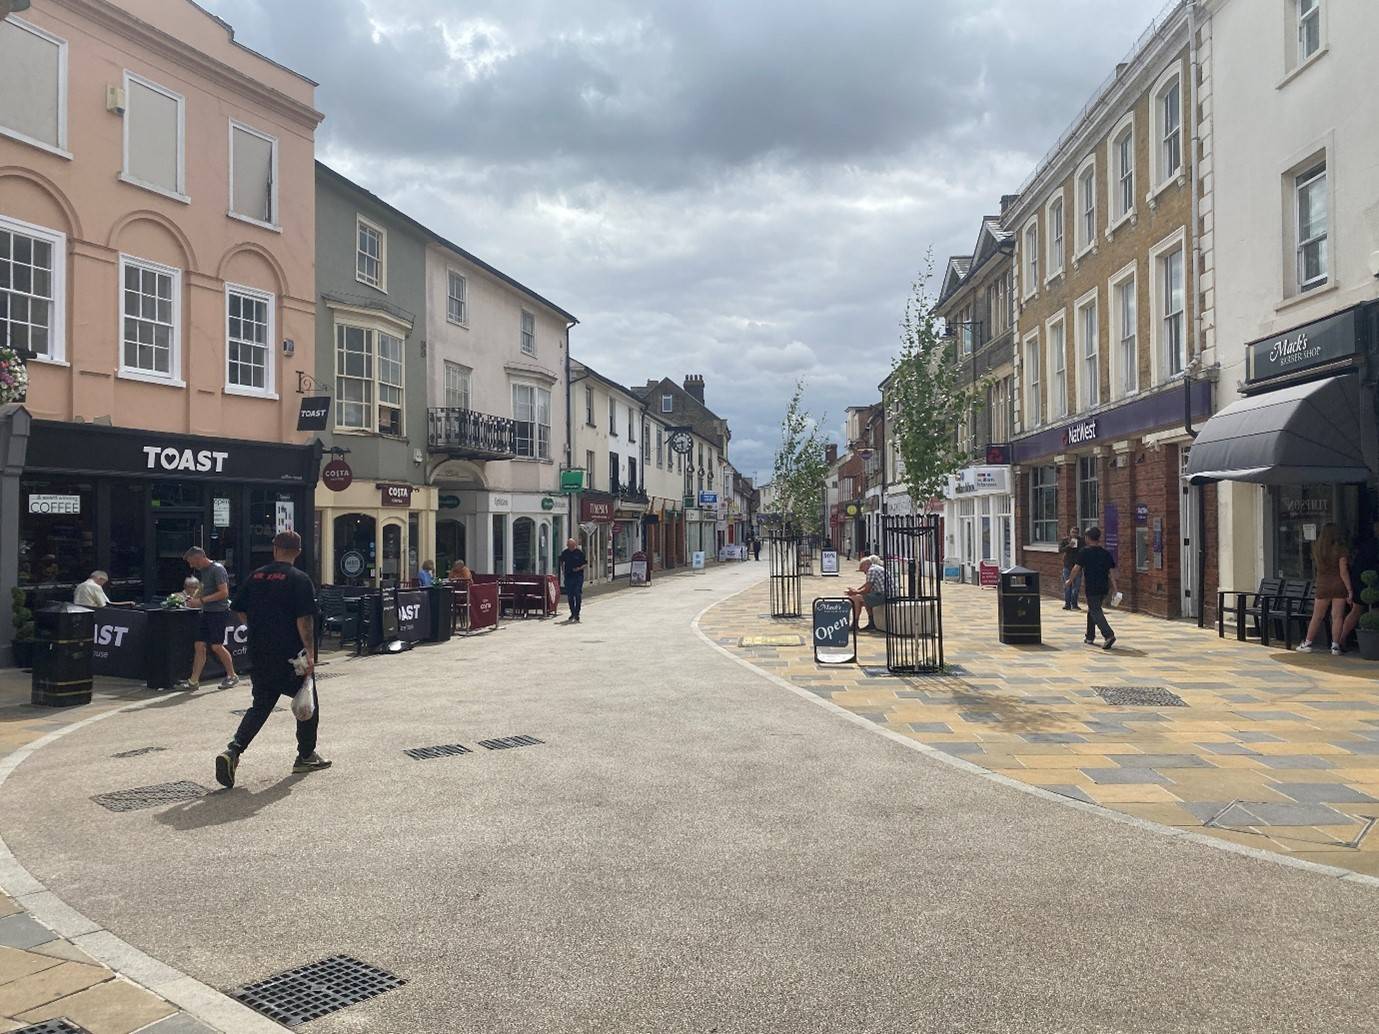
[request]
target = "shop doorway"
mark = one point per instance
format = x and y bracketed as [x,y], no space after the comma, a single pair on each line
[391,569]
[354,534]
[523,532]
[1191,529]
[173,535]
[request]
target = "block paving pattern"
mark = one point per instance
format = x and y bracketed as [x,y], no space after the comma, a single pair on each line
[1273,750]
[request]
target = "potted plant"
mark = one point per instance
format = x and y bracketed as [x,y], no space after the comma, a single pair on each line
[1368,627]
[23,643]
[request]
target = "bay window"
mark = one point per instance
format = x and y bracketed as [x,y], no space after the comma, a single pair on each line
[368,379]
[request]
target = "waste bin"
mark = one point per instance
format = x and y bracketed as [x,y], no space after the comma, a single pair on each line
[1017,606]
[442,612]
[62,655]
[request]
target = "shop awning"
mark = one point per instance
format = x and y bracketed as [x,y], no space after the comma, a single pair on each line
[1322,431]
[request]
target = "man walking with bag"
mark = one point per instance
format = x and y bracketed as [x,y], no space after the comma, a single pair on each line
[1099,566]
[278,602]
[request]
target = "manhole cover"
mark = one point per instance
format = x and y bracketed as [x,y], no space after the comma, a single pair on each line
[445,750]
[151,796]
[138,752]
[58,1026]
[508,742]
[242,711]
[1139,696]
[770,640]
[317,989]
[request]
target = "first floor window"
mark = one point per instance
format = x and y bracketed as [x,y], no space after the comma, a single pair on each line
[151,310]
[32,263]
[1127,344]
[531,410]
[1033,408]
[249,333]
[1043,504]
[1090,379]
[456,385]
[1171,330]
[1088,493]
[1312,228]
[1309,28]
[389,384]
[614,480]
[368,380]
[368,260]
[1058,361]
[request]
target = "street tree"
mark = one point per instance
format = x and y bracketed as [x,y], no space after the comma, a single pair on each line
[801,467]
[927,398]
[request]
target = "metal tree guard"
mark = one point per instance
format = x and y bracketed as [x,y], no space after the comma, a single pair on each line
[783,552]
[912,554]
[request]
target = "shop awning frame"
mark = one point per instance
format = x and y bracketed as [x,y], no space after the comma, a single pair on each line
[1322,431]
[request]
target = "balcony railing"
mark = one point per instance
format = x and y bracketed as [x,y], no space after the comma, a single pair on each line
[629,494]
[467,434]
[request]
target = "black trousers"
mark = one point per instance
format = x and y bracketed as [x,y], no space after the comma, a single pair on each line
[266,697]
[574,592]
[1096,617]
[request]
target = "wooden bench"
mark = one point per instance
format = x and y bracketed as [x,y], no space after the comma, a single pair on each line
[1292,609]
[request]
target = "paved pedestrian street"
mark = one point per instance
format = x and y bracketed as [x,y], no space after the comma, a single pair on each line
[1260,747]
[653,828]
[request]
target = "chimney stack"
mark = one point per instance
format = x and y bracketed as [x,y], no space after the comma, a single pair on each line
[694,385]
[831,452]
[1007,200]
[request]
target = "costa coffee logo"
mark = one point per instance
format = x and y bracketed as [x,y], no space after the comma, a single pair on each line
[396,495]
[1077,434]
[159,457]
[337,475]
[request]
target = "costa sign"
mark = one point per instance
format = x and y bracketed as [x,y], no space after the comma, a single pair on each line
[337,475]
[396,495]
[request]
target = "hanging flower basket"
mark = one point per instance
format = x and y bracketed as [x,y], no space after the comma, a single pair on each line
[14,376]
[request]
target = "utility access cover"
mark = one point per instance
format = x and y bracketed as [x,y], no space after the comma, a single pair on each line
[58,1026]
[316,989]
[508,742]
[151,796]
[1139,696]
[770,640]
[444,750]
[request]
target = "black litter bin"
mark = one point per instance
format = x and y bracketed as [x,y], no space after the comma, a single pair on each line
[62,655]
[442,613]
[1017,606]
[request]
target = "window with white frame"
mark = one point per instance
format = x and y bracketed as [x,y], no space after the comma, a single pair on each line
[667,403]
[368,379]
[1125,334]
[1043,505]
[589,405]
[371,254]
[1058,368]
[1086,206]
[965,330]
[151,310]
[1123,173]
[1089,354]
[1168,117]
[33,84]
[1030,252]
[660,447]
[248,339]
[589,469]
[1033,403]
[528,333]
[1309,15]
[1055,221]
[1172,318]
[253,175]
[1310,205]
[457,385]
[646,446]
[33,268]
[154,130]
[631,426]
[612,416]
[456,298]
[1088,493]
[531,411]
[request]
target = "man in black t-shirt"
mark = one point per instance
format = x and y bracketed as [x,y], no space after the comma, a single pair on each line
[1098,567]
[572,564]
[278,602]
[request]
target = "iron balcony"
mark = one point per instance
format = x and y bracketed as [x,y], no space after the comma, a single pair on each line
[467,434]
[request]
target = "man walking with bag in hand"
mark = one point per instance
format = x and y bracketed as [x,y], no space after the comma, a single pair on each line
[278,602]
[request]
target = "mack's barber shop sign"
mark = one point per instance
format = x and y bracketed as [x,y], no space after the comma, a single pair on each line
[1314,344]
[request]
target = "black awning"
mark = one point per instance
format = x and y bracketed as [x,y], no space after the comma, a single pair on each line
[1322,431]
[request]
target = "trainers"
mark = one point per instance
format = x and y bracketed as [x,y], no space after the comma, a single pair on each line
[1305,646]
[225,764]
[1109,643]
[312,764]
[185,685]
[1089,641]
[1335,649]
[229,682]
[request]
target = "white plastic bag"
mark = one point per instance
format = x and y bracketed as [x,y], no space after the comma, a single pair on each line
[304,703]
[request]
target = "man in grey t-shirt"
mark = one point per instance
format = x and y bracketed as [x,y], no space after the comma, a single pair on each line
[214,601]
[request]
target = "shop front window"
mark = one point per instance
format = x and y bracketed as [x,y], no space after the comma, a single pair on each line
[449,545]
[391,568]
[263,518]
[622,542]
[1043,504]
[57,531]
[500,555]
[544,549]
[1088,493]
[523,536]
[1300,511]
[128,515]
[355,533]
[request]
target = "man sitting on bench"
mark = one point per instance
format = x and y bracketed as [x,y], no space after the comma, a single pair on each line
[870,593]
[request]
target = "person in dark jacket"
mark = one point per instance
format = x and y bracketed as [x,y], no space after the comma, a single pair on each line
[1099,565]
[1071,547]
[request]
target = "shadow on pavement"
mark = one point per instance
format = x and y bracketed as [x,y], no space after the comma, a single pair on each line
[222,806]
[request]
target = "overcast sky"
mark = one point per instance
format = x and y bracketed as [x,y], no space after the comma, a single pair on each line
[739,188]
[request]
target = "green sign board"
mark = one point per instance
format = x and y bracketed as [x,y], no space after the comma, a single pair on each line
[449,502]
[547,503]
[572,480]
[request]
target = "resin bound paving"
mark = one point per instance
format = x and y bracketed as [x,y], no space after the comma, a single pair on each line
[1269,749]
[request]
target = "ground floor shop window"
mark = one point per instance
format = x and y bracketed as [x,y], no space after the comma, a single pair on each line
[354,533]
[57,531]
[523,545]
[1043,504]
[623,542]
[500,554]
[128,515]
[1299,512]
[449,545]
[1088,493]
[391,569]
[543,551]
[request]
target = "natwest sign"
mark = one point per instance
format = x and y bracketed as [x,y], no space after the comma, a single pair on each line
[1080,433]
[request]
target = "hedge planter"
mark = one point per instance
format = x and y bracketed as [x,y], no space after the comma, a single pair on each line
[1369,643]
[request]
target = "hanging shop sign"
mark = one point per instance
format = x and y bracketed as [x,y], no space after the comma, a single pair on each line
[1314,344]
[998,454]
[1141,513]
[708,499]
[596,508]
[337,475]
[449,502]
[313,413]
[572,480]
[547,503]
[835,642]
[396,495]
[54,505]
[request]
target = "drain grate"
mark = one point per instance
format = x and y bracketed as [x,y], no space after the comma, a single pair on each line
[58,1026]
[151,796]
[317,989]
[445,750]
[508,742]
[241,712]
[329,675]
[1139,696]
[138,752]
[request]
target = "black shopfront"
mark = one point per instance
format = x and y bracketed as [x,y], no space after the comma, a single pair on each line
[131,502]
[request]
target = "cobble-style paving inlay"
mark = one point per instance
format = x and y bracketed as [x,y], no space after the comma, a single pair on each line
[317,989]
[151,796]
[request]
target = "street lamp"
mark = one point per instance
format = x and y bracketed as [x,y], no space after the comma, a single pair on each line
[9,7]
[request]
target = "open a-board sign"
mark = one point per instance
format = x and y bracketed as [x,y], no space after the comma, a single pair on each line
[835,641]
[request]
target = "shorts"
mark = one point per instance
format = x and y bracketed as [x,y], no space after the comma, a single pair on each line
[211,628]
[873,599]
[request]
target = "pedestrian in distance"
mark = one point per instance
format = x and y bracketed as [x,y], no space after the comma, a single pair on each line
[1070,547]
[572,564]
[1335,591]
[278,602]
[426,577]
[213,600]
[1099,567]
[756,550]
